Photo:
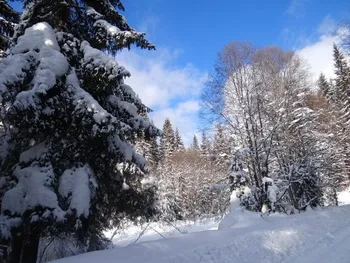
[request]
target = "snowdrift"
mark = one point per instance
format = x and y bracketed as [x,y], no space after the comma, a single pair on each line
[314,236]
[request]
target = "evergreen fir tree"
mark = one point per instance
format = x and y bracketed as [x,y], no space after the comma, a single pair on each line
[195,144]
[142,145]
[167,141]
[67,160]
[342,94]
[342,79]
[8,18]
[179,146]
[153,154]
[325,86]
[107,29]
[148,147]
[205,145]
[221,148]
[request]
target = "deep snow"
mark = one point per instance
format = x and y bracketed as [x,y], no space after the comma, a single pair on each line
[321,235]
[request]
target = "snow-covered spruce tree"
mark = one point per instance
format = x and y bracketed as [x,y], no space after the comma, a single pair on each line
[195,144]
[334,119]
[141,144]
[147,147]
[8,18]
[324,86]
[342,83]
[221,148]
[341,102]
[152,154]
[167,141]
[332,107]
[341,70]
[67,164]
[301,165]
[178,143]
[205,146]
[330,154]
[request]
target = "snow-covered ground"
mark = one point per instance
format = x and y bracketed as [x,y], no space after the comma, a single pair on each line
[344,197]
[155,231]
[320,236]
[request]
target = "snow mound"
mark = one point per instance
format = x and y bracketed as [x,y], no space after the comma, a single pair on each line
[238,215]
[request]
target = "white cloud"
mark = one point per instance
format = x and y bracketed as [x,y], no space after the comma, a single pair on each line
[184,116]
[296,7]
[171,91]
[319,54]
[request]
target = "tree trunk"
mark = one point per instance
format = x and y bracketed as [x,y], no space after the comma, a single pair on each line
[335,196]
[30,246]
[16,247]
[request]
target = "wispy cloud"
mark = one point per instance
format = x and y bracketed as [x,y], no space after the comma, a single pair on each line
[149,25]
[293,39]
[171,91]
[296,7]
[328,26]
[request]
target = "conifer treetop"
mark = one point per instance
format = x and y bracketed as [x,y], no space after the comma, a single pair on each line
[179,145]
[7,12]
[195,144]
[8,19]
[96,21]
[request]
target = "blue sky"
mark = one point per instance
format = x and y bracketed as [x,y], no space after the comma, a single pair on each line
[189,34]
[201,28]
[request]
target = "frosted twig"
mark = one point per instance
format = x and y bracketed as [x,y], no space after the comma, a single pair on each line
[141,234]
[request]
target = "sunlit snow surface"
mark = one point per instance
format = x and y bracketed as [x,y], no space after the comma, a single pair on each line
[321,236]
[344,197]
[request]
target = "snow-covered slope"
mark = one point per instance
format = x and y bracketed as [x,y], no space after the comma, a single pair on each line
[315,236]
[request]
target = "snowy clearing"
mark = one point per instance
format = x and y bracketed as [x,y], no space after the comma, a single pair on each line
[315,236]
[154,231]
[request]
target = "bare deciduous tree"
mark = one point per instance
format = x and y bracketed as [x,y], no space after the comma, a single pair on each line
[262,95]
